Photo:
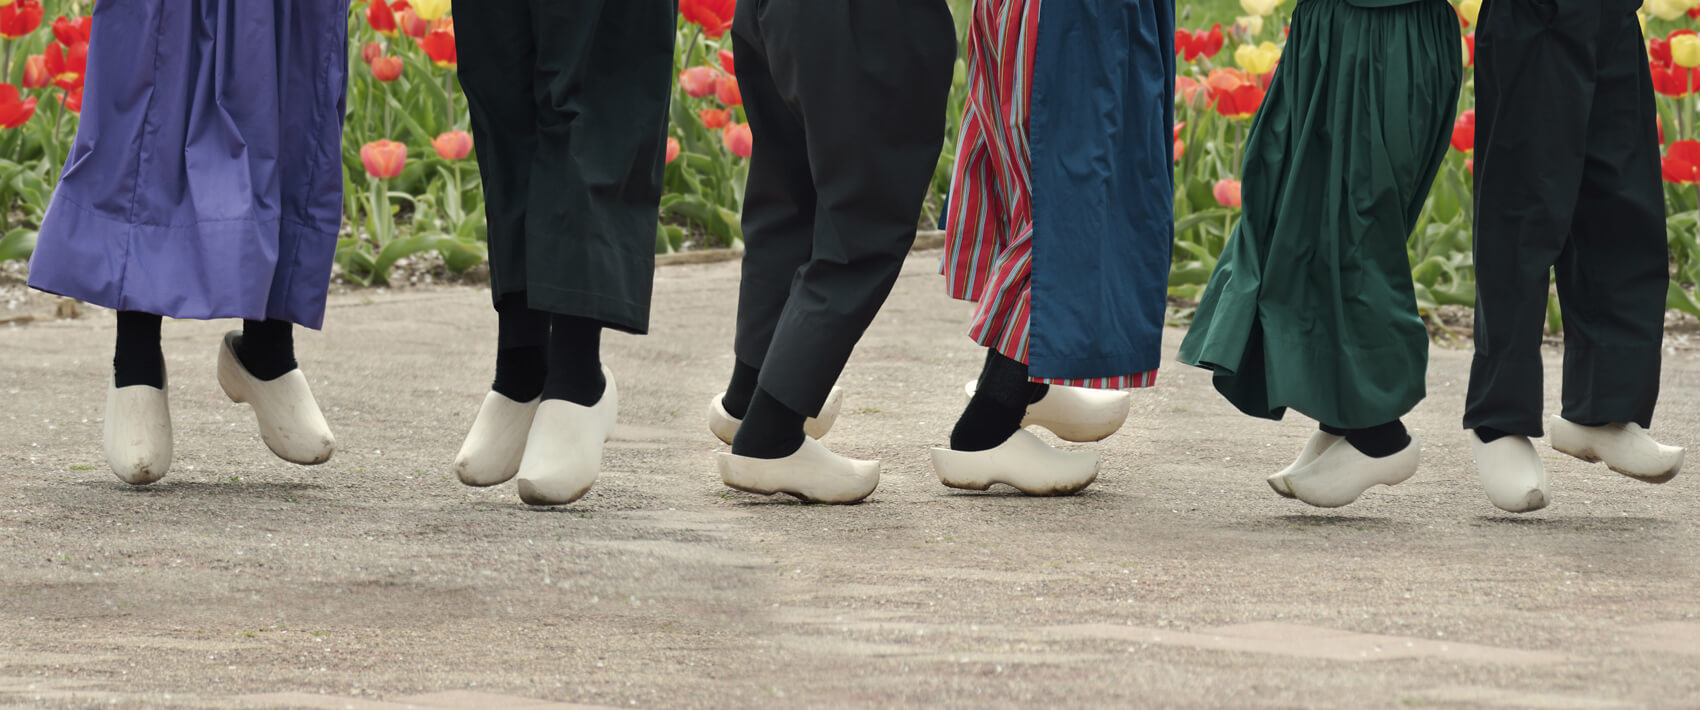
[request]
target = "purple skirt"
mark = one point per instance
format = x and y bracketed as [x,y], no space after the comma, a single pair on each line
[206,178]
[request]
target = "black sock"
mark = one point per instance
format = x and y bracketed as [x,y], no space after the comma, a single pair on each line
[267,348]
[1336,431]
[137,358]
[522,360]
[1380,442]
[741,390]
[575,361]
[770,430]
[999,404]
[1489,434]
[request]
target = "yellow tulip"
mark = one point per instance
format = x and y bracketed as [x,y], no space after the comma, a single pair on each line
[1642,16]
[1685,51]
[1260,8]
[1471,9]
[1252,24]
[430,9]
[1261,59]
[1668,9]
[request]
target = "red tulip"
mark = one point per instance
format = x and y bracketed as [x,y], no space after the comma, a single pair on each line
[15,112]
[672,149]
[727,63]
[726,89]
[715,16]
[73,100]
[1470,46]
[411,24]
[738,139]
[1464,132]
[66,64]
[20,18]
[1205,44]
[440,46]
[1242,102]
[715,119]
[371,51]
[1183,41]
[35,73]
[1180,145]
[1671,80]
[386,69]
[70,31]
[698,82]
[381,18]
[453,145]
[384,158]
[1228,193]
[1681,163]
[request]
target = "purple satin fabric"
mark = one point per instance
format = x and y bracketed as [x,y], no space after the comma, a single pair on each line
[206,177]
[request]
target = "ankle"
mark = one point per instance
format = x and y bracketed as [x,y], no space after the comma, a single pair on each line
[770,430]
[1382,441]
[267,348]
[740,390]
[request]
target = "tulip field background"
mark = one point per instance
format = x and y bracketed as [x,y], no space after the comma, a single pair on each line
[413,188]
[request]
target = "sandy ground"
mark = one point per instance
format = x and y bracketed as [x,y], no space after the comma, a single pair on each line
[1178,580]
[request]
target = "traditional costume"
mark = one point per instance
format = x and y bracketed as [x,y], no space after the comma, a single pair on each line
[1311,306]
[1567,176]
[205,182]
[1060,230]
[569,103]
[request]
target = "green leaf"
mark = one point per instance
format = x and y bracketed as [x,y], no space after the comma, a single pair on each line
[17,244]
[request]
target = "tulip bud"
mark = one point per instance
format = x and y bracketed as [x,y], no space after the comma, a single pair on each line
[386,69]
[454,145]
[384,159]
[1228,193]
[738,139]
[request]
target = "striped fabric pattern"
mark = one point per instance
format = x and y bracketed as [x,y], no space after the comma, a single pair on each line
[989,230]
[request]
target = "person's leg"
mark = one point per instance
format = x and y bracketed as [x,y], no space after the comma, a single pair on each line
[779,210]
[137,426]
[497,58]
[1000,402]
[1534,99]
[267,348]
[496,65]
[522,335]
[136,358]
[1612,276]
[871,80]
[604,76]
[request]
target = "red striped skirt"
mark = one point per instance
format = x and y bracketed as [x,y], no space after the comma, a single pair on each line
[989,230]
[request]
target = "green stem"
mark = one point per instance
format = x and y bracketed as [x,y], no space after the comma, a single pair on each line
[449,93]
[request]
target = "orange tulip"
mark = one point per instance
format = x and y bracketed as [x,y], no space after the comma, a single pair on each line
[15,112]
[698,81]
[739,140]
[1228,193]
[672,149]
[386,69]
[66,64]
[1189,88]
[440,46]
[715,119]
[71,31]
[35,73]
[726,89]
[715,16]
[453,145]
[20,18]
[384,158]
[1464,132]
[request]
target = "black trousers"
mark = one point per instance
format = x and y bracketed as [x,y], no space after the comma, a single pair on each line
[846,100]
[1567,177]
[569,103]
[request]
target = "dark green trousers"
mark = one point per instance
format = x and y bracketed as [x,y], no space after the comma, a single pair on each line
[569,102]
[1567,178]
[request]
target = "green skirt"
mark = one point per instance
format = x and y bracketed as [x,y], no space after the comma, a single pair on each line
[1311,306]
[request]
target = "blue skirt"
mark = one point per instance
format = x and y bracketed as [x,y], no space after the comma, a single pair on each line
[206,177]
